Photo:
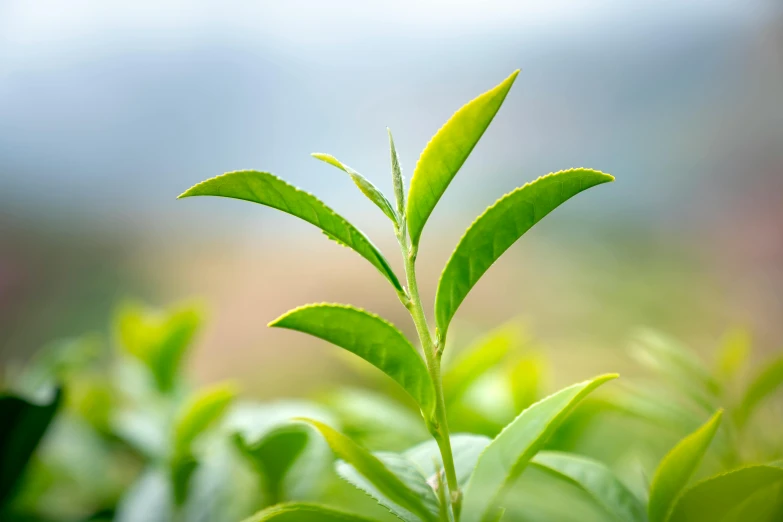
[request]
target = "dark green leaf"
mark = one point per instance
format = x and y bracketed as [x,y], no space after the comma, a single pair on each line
[368,189]
[596,480]
[301,512]
[370,337]
[447,151]
[712,498]
[510,452]
[498,228]
[371,468]
[269,190]
[761,387]
[677,467]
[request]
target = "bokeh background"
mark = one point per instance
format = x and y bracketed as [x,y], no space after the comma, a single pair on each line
[108,110]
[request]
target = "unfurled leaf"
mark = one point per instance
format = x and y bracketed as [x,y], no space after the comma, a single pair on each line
[762,386]
[22,425]
[389,485]
[304,512]
[465,450]
[733,353]
[596,480]
[447,151]
[677,468]
[407,472]
[474,362]
[159,339]
[498,228]
[370,337]
[397,179]
[713,498]
[676,363]
[365,185]
[765,505]
[269,190]
[510,452]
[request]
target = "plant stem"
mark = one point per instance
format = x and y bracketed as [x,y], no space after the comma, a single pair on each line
[438,426]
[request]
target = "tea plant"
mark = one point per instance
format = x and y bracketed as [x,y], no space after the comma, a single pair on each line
[461,488]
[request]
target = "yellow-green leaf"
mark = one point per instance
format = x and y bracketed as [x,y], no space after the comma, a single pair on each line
[304,512]
[267,189]
[762,386]
[365,185]
[677,467]
[372,338]
[203,410]
[498,228]
[447,151]
[371,468]
[510,452]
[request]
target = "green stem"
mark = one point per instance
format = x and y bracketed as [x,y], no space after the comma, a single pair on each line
[438,426]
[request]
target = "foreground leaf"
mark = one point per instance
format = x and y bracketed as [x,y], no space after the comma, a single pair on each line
[22,425]
[596,480]
[510,452]
[447,151]
[713,498]
[762,386]
[677,467]
[365,185]
[370,337]
[303,512]
[498,228]
[389,485]
[269,190]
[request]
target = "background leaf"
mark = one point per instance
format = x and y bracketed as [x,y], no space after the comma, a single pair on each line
[596,480]
[365,185]
[713,498]
[447,151]
[303,512]
[370,337]
[499,227]
[761,387]
[508,454]
[465,449]
[389,485]
[269,190]
[677,467]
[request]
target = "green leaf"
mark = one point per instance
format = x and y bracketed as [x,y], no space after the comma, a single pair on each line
[368,189]
[159,339]
[765,505]
[479,358]
[498,228]
[733,353]
[370,337]
[304,512]
[465,450]
[23,424]
[371,468]
[714,497]
[596,480]
[510,452]
[149,499]
[269,190]
[407,472]
[526,375]
[397,179]
[677,467]
[443,156]
[761,387]
[202,410]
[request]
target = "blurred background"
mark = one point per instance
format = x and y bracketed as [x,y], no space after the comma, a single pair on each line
[109,110]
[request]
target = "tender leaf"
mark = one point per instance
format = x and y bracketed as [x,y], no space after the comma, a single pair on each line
[479,358]
[389,485]
[444,155]
[712,498]
[510,452]
[498,228]
[761,387]
[370,337]
[269,190]
[22,425]
[733,353]
[677,467]
[407,472]
[303,512]
[397,179]
[596,480]
[464,448]
[368,189]
[159,339]
[202,410]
